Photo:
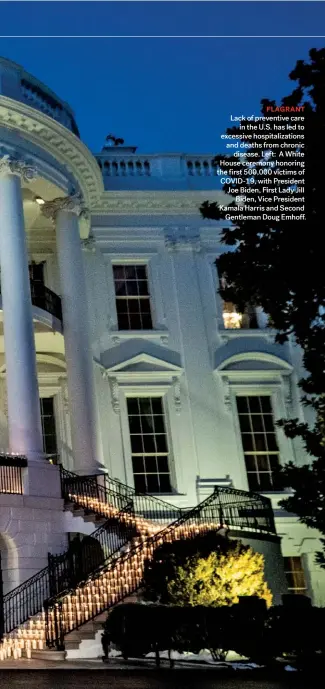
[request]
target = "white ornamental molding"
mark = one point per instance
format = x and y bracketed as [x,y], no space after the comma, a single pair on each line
[148,203]
[287,389]
[177,395]
[89,244]
[44,132]
[65,394]
[73,204]
[182,242]
[226,392]
[10,165]
[115,395]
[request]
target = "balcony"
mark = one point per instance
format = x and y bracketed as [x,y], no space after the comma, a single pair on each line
[11,478]
[22,86]
[125,169]
[43,298]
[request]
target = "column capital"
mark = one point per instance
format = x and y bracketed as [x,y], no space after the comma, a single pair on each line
[72,204]
[10,165]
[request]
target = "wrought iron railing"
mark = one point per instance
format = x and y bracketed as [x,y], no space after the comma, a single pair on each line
[11,480]
[45,299]
[88,494]
[66,613]
[145,505]
[67,570]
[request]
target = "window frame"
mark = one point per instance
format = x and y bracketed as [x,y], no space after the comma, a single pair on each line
[126,298]
[163,392]
[52,397]
[275,390]
[275,453]
[293,590]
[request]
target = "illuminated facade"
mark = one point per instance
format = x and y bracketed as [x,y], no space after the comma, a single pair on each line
[110,314]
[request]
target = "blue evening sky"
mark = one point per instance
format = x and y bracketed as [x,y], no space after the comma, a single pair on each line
[162,94]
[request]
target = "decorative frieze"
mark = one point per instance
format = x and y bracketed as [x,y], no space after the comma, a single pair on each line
[10,165]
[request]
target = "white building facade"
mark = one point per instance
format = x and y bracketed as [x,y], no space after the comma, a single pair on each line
[116,353]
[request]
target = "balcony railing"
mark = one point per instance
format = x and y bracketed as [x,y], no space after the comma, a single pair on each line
[11,466]
[45,299]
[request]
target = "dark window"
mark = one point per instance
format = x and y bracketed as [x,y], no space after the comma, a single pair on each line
[132,297]
[36,272]
[295,575]
[48,425]
[149,445]
[259,441]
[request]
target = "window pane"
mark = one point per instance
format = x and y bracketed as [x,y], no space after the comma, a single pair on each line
[159,424]
[157,407]
[254,405]
[145,405]
[271,441]
[151,465]
[153,483]
[149,443]
[266,404]
[260,444]
[244,420]
[141,272]
[250,462]
[133,405]
[140,483]
[136,443]
[138,465]
[161,443]
[162,464]
[242,404]
[248,444]
[257,423]
[165,486]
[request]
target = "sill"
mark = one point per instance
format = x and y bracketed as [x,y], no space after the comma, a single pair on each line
[121,335]
[231,333]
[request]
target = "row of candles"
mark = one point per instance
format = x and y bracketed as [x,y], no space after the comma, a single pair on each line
[121,579]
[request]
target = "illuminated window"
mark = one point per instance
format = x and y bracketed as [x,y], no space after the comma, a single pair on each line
[149,445]
[48,426]
[132,297]
[259,441]
[295,575]
[232,318]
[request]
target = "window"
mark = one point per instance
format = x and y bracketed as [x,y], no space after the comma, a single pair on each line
[132,297]
[48,425]
[233,319]
[295,575]
[36,272]
[149,446]
[259,441]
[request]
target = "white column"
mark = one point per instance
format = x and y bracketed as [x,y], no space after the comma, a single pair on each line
[78,353]
[24,419]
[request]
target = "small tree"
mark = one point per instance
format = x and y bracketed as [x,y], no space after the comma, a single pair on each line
[209,571]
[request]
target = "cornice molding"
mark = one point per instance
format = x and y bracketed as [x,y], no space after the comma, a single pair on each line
[57,141]
[147,203]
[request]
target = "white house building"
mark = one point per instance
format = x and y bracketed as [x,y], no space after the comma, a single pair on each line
[118,357]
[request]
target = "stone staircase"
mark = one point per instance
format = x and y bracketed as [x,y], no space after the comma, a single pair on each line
[79,605]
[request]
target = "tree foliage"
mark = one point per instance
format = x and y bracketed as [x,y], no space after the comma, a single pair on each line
[208,571]
[279,266]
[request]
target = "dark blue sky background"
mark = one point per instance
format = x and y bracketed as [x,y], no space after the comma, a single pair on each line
[167,94]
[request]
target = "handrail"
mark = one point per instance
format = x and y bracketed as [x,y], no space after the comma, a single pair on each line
[88,494]
[64,571]
[126,571]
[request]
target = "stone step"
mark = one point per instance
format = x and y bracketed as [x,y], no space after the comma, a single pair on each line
[49,654]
